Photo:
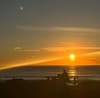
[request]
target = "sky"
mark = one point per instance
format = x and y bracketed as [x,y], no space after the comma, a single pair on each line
[42,31]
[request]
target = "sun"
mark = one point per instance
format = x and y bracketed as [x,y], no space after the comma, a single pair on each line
[72,57]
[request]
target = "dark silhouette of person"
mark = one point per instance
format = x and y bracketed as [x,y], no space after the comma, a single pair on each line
[64,76]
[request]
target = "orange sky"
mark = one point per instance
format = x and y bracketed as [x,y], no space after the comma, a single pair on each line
[53,56]
[46,32]
[82,59]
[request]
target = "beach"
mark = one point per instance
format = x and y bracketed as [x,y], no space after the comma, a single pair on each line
[48,89]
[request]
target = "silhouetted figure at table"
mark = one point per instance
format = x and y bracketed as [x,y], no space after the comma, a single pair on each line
[64,76]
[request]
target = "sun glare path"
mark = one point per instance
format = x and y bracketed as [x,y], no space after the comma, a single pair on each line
[32,63]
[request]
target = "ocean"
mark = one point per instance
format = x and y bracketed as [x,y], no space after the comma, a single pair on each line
[41,72]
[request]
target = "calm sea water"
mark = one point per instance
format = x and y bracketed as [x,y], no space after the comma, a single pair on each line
[30,72]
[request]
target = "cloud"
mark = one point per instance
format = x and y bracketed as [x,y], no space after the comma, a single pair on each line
[55,28]
[20,49]
[26,50]
[96,53]
[35,50]
[54,49]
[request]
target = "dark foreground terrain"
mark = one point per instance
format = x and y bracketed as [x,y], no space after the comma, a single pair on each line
[48,89]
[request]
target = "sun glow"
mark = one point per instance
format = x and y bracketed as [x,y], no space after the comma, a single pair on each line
[72,57]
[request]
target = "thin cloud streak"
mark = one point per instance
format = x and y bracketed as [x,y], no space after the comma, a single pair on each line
[97,53]
[19,49]
[29,50]
[53,49]
[69,29]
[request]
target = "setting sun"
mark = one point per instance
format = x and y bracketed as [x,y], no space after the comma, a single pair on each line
[72,57]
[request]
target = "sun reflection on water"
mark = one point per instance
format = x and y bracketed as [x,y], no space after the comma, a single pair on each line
[72,73]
